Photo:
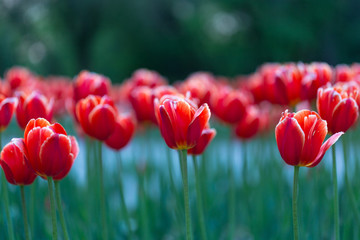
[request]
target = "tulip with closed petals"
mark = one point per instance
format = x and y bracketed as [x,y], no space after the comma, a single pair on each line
[35,106]
[338,108]
[13,161]
[97,116]
[124,131]
[51,152]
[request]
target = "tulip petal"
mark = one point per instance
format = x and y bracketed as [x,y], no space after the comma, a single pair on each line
[55,154]
[345,115]
[206,137]
[315,130]
[166,128]
[324,148]
[201,118]
[74,146]
[290,139]
[102,121]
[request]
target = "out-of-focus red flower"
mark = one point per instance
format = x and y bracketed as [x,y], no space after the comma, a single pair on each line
[17,77]
[300,137]
[31,106]
[229,105]
[249,126]
[90,83]
[200,85]
[145,77]
[51,152]
[142,101]
[97,116]
[61,90]
[343,73]
[7,109]
[337,108]
[316,75]
[206,137]
[13,162]
[349,89]
[124,131]
[181,123]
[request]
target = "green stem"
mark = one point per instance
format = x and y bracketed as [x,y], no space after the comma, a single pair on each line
[294,203]
[26,226]
[32,206]
[336,196]
[183,160]
[7,208]
[102,196]
[232,200]
[122,199]
[143,208]
[52,206]
[60,209]
[348,187]
[199,201]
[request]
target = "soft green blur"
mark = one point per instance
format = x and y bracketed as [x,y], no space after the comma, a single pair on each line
[228,37]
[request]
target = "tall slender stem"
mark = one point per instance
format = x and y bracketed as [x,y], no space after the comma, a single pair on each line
[348,187]
[183,161]
[32,207]
[102,196]
[199,200]
[294,203]
[232,199]
[6,203]
[122,199]
[60,209]
[336,196]
[52,206]
[26,226]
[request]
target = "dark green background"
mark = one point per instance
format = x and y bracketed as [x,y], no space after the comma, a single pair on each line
[176,38]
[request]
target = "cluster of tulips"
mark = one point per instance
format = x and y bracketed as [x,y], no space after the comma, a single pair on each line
[105,113]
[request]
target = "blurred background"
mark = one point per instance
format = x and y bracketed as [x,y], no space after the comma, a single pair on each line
[175,38]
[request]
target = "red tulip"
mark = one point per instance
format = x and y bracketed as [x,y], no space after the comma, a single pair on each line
[206,137]
[337,108]
[7,109]
[124,131]
[181,123]
[31,106]
[18,77]
[249,126]
[343,73]
[200,85]
[316,75]
[13,162]
[300,137]
[51,152]
[89,83]
[145,77]
[97,116]
[229,105]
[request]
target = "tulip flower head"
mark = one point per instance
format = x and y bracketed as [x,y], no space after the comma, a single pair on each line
[300,137]
[181,123]
[249,126]
[90,83]
[7,109]
[97,116]
[337,108]
[18,77]
[14,163]
[51,152]
[35,106]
